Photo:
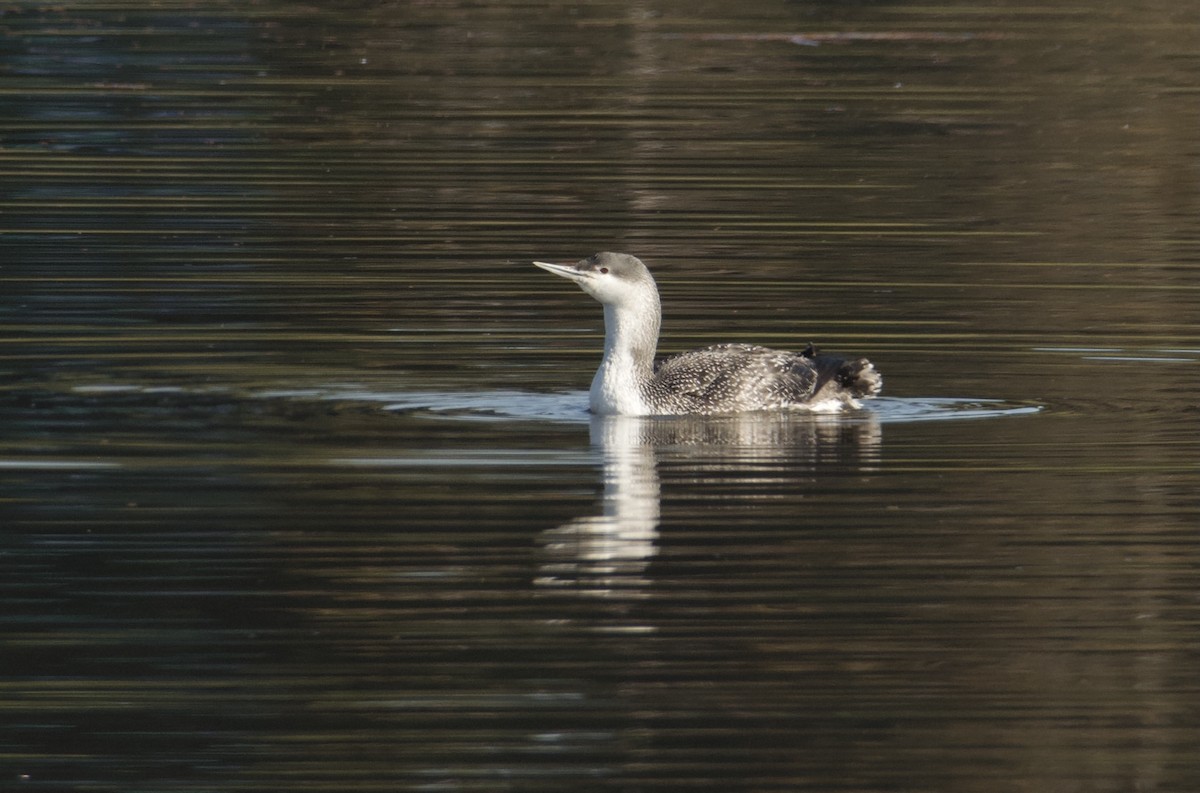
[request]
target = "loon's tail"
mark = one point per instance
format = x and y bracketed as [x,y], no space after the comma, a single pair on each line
[860,378]
[856,378]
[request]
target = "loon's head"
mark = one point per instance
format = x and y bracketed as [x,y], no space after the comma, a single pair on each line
[612,278]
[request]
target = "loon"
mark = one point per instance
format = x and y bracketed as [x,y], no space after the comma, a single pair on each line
[725,378]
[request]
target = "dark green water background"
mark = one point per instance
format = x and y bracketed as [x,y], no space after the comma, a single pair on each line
[297,490]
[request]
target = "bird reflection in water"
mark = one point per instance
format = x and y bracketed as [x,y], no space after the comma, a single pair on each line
[607,555]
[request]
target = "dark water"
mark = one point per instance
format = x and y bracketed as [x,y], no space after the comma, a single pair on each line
[297,487]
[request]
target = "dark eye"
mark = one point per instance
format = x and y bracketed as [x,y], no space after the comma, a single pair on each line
[604,271]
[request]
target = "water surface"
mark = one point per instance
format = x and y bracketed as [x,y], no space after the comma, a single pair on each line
[298,488]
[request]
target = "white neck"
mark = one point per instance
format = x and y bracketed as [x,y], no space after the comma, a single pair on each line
[630,341]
